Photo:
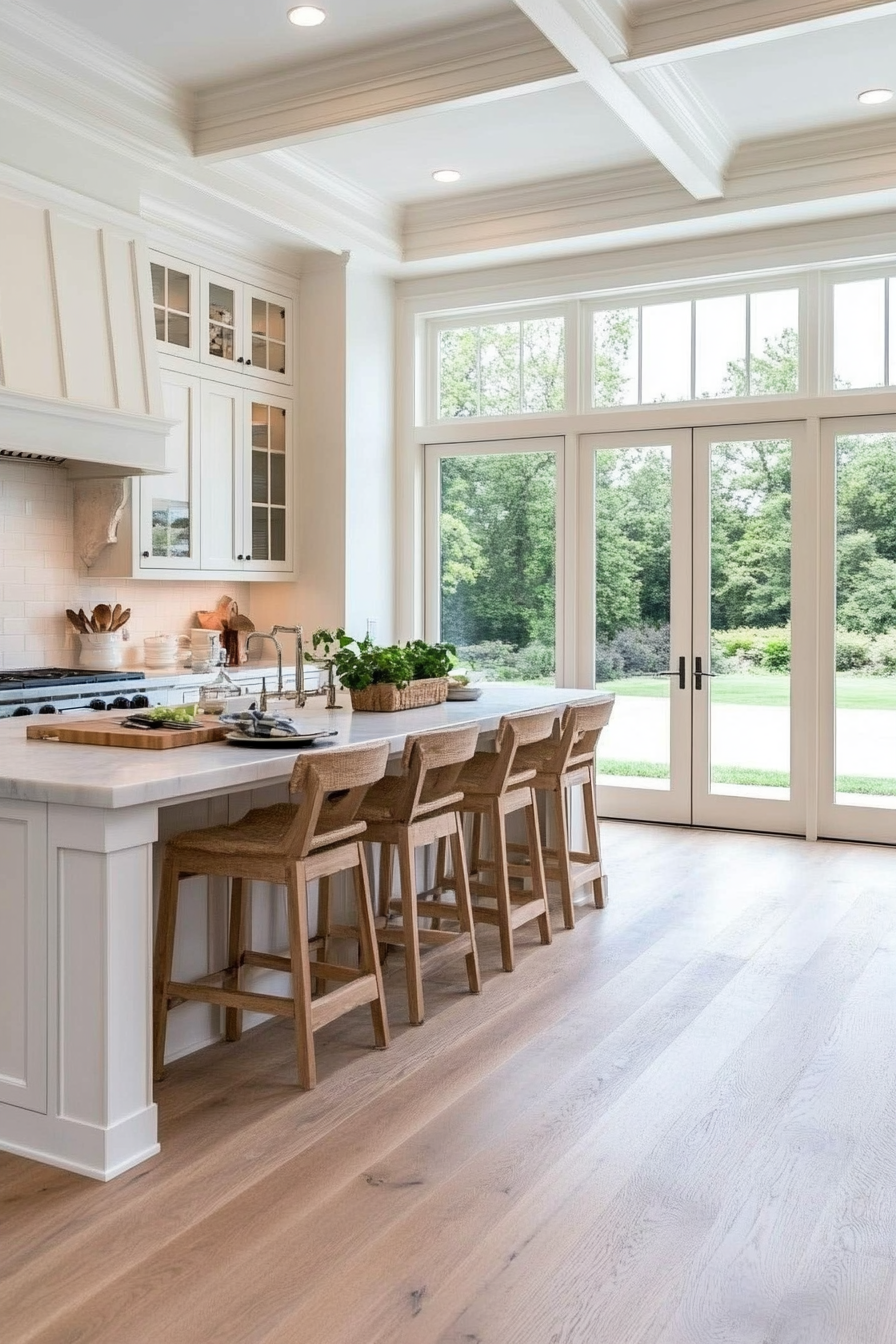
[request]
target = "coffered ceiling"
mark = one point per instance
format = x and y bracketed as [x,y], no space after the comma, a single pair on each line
[574,124]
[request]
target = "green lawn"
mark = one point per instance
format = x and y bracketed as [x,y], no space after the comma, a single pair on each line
[768,689]
[735,774]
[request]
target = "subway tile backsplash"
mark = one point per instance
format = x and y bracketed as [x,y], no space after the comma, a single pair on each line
[40,577]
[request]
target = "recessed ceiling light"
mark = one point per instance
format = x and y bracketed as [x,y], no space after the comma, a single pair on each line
[306,16]
[876,96]
[446,175]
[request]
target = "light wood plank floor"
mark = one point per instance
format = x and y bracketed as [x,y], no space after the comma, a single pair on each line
[676,1125]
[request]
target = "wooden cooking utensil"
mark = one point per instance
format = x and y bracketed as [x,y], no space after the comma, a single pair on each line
[102,615]
[243,623]
[74,619]
[85,624]
[123,618]
[115,615]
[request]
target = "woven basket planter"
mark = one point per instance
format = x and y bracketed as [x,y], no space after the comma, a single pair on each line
[386,697]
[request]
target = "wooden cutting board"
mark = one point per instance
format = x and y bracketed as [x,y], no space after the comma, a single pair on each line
[111,734]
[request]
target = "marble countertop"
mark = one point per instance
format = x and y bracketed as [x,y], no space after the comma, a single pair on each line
[114,777]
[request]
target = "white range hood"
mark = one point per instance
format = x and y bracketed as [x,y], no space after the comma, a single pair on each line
[79,376]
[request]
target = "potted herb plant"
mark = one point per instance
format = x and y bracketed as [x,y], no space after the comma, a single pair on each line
[386,677]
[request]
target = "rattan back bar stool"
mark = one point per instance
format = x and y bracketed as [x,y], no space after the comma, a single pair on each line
[564,763]
[420,807]
[293,845]
[495,786]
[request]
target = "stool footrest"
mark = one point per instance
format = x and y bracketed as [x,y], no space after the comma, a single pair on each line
[233,998]
[341,931]
[362,990]
[519,914]
[269,960]
[328,970]
[396,937]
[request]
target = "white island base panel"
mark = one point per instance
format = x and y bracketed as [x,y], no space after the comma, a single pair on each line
[79,858]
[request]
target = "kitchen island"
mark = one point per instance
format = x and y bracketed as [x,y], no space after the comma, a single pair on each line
[80,833]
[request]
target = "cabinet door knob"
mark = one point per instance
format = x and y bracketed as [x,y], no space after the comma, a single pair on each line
[146,555]
[248,361]
[248,557]
[240,360]
[239,557]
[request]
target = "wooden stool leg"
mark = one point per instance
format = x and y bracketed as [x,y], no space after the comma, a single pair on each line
[411,927]
[563,860]
[502,884]
[233,1017]
[162,961]
[384,895]
[368,958]
[475,844]
[323,928]
[297,908]
[465,905]
[592,828]
[441,881]
[536,862]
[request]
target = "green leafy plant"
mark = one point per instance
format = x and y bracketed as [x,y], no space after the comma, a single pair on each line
[361,663]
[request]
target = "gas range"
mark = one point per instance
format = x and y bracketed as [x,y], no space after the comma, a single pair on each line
[53,690]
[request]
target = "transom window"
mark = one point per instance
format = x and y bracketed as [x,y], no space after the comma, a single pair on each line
[514,367]
[732,345]
[864,331]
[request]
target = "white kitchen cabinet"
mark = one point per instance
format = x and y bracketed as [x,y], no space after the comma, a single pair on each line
[245,329]
[23,955]
[175,305]
[246,480]
[169,532]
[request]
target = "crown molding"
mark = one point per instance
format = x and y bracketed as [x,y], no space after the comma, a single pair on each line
[813,175]
[178,231]
[50,66]
[681,30]
[582,30]
[497,57]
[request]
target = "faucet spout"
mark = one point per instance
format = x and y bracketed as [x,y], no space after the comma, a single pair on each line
[301,697]
[257,634]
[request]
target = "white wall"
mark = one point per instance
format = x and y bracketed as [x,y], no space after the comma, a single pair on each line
[40,577]
[370,454]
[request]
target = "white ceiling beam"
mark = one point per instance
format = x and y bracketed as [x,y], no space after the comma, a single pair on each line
[498,57]
[668,121]
[679,31]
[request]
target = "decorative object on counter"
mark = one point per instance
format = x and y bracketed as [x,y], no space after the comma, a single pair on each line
[253,723]
[391,677]
[164,650]
[102,620]
[325,647]
[227,619]
[217,619]
[213,696]
[205,647]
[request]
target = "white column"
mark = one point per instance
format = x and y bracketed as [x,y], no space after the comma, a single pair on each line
[100,1118]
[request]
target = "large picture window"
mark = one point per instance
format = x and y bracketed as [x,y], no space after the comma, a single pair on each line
[731,345]
[502,368]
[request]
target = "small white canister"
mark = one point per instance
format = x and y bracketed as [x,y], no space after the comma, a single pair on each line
[101,651]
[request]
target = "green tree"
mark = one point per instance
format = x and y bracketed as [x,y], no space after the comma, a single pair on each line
[615,335]
[774,372]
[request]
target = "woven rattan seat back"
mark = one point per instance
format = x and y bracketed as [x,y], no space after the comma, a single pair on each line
[582,726]
[516,731]
[332,785]
[432,763]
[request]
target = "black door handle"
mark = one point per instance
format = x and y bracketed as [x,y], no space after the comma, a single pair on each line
[699,674]
[681,673]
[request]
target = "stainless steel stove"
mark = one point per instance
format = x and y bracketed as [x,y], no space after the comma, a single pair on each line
[53,690]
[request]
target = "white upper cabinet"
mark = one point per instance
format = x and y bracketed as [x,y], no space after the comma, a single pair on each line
[237,327]
[169,518]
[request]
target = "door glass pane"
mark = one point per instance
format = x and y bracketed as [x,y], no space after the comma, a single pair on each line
[278,478]
[278,534]
[260,534]
[179,291]
[277,323]
[666,357]
[259,317]
[859,334]
[866,620]
[220,321]
[721,336]
[259,478]
[277,356]
[158,283]
[178,329]
[633,531]
[259,352]
[497,538]
[750,619]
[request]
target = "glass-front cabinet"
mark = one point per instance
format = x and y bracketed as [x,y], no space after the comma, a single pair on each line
[175,306]
[245,329]
[169,527]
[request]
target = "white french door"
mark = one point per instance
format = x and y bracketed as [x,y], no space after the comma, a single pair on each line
[857,630]
[706,729]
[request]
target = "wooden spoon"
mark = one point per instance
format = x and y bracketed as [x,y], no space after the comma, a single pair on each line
[123,619]
[75,620]
[85,624]
[102,614]
[115,615]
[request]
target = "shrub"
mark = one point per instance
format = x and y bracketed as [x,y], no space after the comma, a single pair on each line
[882,655]
[776,656]
[643,649]
[852,650]
[497,661]
[607,662]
